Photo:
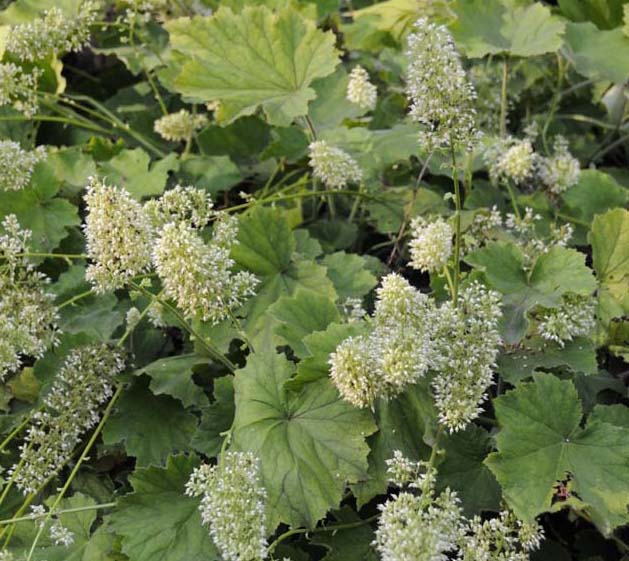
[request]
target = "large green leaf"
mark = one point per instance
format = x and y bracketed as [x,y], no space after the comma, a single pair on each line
[606,14]
[266,247]
[541,443]
[311,443]
[598,54]
[610,254]
[579,355]
[158,522]
[217,418]
[151,427]
[251,59]
[493,26]
[301,314]
[349,274]
[319,346]
[173,376]
[132,169]
[463,470]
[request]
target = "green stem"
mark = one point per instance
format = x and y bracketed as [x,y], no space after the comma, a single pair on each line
[64,511]
[514,203]
[76,467]
[555,102]
[446,273]
[503,97]
[333,528]
[457,226]
[212,351]
[17,430]
[74,299]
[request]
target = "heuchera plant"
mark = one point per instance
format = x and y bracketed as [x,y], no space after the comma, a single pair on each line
[314,280]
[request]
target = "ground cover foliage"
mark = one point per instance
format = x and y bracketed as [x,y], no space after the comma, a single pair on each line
[314,280]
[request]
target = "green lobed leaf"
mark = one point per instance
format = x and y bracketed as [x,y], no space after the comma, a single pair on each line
[173,376]
[301,314]
[158,522]
[598,54]
[148,436]
[217,418]
[311,443]
[132,169]
[541,443]
[349,274]
[488,27]
[610,257]
[38,209]
[463,470]
[251,59]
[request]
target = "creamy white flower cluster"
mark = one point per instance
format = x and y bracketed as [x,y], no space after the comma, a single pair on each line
[183,204]
[441,97]
[233,504]
[83,383]
[560,171]
[333,166]
[18,89]
[28,316]
[17,165]
[60,535]
[419,525]
[409,335]
[118,235]
[431,244]
[52,34]
[125,238]
[396,352]
[360,90]
[513,159]
[198,275]
[467,341]
[576,317]
[179,126]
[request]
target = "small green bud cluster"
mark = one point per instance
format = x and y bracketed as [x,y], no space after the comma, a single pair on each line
[467,341]
[17,165]
[576,317]
[28,316]
[233,504]
[83,383]
[360,90]
[431,244]
[52,34]
[334,167]
[441,97]
[179,126]
[18,89]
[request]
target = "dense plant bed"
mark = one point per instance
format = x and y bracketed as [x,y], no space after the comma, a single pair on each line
[314,280]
